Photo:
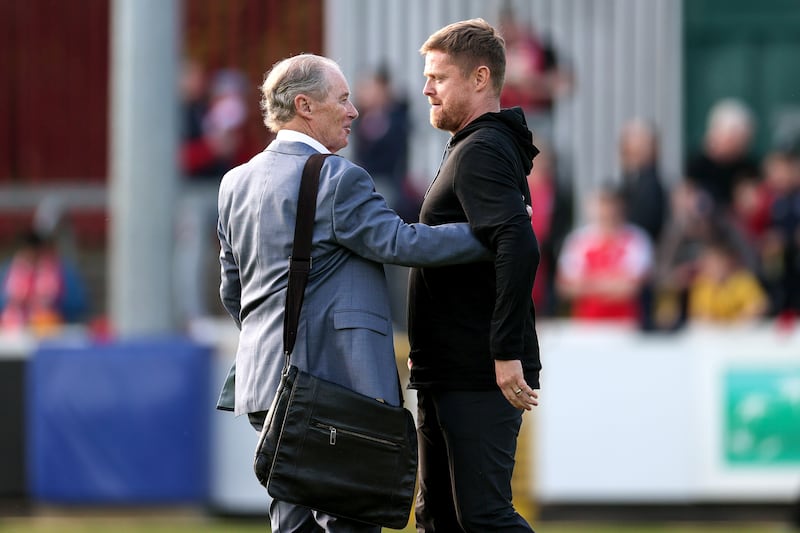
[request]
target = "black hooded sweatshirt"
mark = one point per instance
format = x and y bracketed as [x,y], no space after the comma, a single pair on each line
[463,317]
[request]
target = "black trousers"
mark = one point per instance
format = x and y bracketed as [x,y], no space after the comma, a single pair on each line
[467,443]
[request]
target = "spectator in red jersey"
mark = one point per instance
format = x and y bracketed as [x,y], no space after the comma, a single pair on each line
[38,289]
[604,264]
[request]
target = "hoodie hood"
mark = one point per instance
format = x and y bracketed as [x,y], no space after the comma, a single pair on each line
[511,122]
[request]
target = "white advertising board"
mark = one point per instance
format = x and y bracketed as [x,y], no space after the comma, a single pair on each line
[702,415]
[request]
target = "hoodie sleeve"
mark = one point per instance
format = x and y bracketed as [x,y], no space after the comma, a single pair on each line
[494,203]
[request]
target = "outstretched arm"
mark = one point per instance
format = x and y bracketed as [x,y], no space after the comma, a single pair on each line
[365,224]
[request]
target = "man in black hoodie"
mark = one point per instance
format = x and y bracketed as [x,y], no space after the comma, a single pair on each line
[474,351]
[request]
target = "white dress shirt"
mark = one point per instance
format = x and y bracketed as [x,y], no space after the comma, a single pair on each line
[296,136]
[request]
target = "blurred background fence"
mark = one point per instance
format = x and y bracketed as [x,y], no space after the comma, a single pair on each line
[55,60]
[54,93]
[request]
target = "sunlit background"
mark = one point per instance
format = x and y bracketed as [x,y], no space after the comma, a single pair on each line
[670,396]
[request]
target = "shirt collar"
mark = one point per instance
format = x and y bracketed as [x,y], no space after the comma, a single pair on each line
[296,136]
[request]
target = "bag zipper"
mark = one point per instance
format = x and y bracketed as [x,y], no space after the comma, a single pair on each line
[335,431]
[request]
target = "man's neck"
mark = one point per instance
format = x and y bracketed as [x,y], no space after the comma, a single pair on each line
[290,134]
[482,107]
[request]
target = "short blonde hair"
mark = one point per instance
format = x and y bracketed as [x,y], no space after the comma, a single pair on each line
[471,43]
[301,74]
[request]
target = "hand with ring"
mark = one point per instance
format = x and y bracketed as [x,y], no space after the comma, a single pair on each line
[511,381]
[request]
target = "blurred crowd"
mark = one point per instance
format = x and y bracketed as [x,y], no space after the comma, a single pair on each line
[216,114]
[41,287]
[718,244]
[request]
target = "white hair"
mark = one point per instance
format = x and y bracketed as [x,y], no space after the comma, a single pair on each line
[730,114]
[301,74]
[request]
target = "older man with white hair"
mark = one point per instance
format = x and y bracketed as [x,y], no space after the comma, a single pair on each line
[725,155]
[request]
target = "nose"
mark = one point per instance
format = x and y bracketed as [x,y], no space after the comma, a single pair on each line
[427,90]
[352,112]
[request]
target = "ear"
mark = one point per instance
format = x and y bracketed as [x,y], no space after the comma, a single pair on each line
[302,105]
[482,78]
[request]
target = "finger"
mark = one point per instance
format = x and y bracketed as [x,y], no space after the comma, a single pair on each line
[530,393]
[532,398]
[519,395]
[521,387]
[528,396]
[514,399]
[520,401]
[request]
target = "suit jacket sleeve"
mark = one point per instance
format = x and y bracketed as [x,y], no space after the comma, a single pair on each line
[495,209]
[364,223]
[230,289]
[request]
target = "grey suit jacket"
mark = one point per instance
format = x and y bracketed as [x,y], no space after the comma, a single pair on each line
[345,331]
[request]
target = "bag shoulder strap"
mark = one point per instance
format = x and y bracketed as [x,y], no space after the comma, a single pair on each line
[300,261]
